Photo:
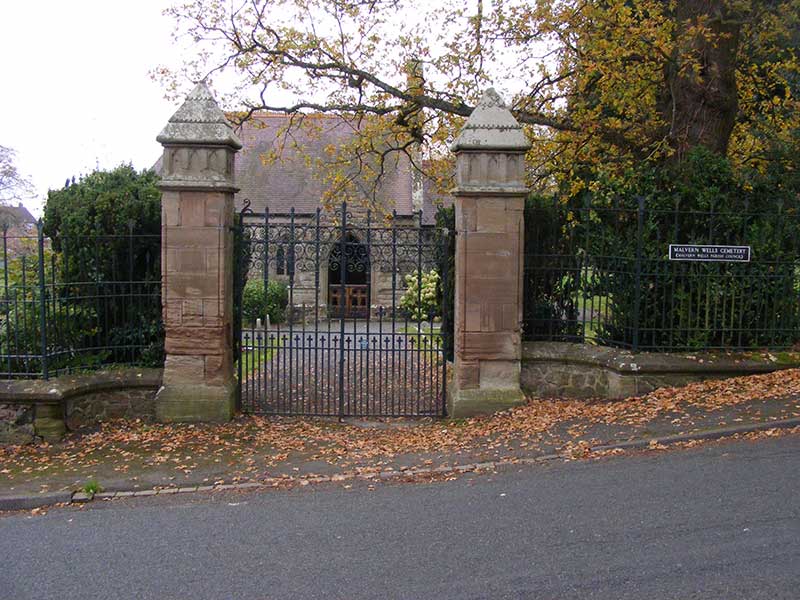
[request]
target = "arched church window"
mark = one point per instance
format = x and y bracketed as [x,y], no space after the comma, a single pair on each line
[280,261]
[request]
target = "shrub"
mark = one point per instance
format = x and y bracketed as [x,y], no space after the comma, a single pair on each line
[105,230]
[550,308]
[69,328]
[258,303]
[88,222]
[446,225]
[242,252]
[712,305]
[422,303]
[661,305]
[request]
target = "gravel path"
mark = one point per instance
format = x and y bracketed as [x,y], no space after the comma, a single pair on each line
[384,374]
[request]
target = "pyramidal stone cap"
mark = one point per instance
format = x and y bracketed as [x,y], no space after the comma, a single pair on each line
[199,120]
[491,126]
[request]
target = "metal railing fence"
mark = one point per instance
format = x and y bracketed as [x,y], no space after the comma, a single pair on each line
[601,274]
[69,305]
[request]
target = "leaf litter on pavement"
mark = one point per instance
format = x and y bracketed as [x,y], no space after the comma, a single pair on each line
[250,447]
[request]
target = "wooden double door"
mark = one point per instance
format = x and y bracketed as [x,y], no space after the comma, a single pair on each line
[354,304]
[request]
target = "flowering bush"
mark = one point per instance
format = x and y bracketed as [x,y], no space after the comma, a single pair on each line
[424,304]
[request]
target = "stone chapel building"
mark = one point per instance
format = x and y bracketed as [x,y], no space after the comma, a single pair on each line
[278,171]
[291,180]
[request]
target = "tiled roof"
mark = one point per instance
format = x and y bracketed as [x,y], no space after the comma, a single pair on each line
[432,199]
[292,180]
[15,215]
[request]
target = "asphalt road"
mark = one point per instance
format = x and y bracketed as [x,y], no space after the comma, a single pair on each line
[721,521]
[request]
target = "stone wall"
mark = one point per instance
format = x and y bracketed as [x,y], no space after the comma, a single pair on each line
[35,408]
[16,424]
[551,369]
[124,403]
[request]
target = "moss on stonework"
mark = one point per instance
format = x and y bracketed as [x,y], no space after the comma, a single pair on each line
[462,404]
[782,358]
[195,403]
[787,358]
[49,429]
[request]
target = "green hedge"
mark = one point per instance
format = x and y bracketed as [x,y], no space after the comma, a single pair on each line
[605,251]
[102,279]
[257,302]
[446,228]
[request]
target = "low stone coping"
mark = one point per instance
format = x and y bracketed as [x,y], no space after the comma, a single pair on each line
[638,363]
[59,389]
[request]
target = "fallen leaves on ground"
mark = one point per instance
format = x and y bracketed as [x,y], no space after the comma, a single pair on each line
[251,446]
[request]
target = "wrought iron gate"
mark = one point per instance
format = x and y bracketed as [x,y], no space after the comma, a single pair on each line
[359,334]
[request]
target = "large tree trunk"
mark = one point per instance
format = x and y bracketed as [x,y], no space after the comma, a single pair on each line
[700,99]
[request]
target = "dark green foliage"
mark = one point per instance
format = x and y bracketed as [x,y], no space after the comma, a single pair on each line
[67,328]
[105,230]
[707,305]
[88,222]
[550,305]
[242,251]
[446,243]
[611,255]
[257,304]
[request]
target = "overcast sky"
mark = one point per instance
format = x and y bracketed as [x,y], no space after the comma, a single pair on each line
[76,93]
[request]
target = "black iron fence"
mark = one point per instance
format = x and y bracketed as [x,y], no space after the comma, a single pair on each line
[339,313]
[602,274]
[74,304]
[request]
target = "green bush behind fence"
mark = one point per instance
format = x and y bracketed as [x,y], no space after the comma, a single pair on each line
[597,268]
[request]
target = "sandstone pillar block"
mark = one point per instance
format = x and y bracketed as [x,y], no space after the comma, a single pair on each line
[197,183]
[48,421]
[489,200]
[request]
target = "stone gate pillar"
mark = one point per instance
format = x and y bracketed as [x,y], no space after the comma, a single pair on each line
[197,184]
[489,199]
